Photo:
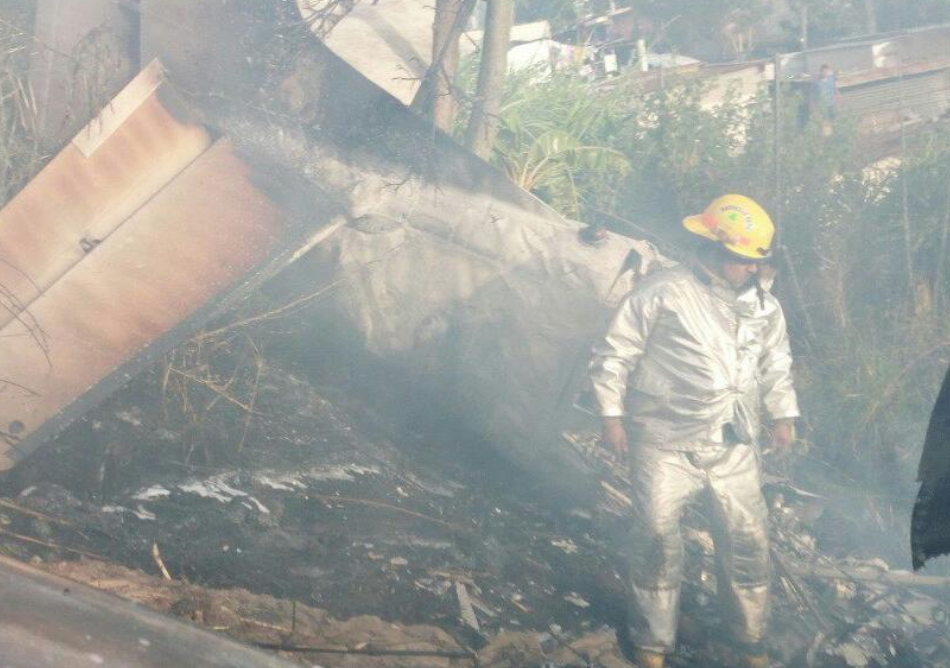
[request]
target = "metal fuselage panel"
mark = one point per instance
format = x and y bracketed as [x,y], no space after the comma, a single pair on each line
[116,251]
[135,147]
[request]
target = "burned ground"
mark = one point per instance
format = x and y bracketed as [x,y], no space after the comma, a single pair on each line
[330,506]
[320,507]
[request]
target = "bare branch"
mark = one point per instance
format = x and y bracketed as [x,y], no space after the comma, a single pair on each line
[322,16]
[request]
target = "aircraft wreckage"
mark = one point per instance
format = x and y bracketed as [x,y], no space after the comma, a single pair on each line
[213,172]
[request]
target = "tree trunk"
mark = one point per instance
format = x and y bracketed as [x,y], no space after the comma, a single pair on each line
[483,126]
[444,106]
[434,97]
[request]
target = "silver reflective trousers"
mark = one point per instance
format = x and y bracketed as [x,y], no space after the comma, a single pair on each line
[663,482]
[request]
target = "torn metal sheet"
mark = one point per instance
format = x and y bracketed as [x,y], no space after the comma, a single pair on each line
[390,42]
[466,611]
[50,622]
[131,237]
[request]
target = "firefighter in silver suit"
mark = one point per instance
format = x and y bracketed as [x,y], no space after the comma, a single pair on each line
[693,358]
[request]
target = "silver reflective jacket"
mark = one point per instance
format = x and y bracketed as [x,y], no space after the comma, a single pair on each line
[686,355]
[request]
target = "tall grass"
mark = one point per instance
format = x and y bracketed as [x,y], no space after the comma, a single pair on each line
[20,154]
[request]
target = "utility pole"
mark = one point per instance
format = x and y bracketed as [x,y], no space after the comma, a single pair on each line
[777,136]
[778,208]
[905,205]
[939,289]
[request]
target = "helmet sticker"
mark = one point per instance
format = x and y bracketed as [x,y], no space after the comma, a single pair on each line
[734,213]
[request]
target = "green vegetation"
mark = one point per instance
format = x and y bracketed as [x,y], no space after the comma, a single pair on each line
[19,152]
[555,139]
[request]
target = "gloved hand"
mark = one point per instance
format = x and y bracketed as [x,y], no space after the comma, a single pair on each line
[615,435]
[783,437]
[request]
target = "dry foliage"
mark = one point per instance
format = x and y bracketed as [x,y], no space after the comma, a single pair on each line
[210,383]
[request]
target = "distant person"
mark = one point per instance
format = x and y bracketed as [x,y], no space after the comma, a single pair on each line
[825,98]
[692,357]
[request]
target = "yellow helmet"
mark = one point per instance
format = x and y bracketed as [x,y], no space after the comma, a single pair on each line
[738,223]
